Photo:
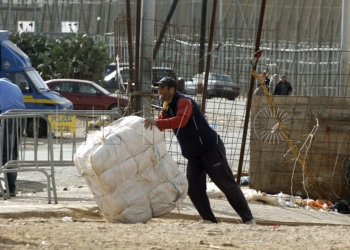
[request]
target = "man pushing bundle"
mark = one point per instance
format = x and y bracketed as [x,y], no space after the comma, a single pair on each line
[203,148]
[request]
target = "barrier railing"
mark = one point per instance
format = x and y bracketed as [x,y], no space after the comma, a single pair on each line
[66,129]
[12,139]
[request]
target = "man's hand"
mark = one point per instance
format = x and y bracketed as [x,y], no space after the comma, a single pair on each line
[149,123]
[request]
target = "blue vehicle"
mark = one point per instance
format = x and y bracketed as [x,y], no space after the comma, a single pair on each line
[16,66]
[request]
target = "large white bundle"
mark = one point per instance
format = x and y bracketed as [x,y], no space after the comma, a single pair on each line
[130,173]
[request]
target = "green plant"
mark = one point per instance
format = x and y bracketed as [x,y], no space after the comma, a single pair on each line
[67,57]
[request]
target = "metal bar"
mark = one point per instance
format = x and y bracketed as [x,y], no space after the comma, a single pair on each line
[98,25]
[344,46]
[4,17]
[250,93]
[12,164]
[137,54]
[210,43]
[50,17]
[128,23]
[328,24]
[89,18]
[297,36]
[9,16]
[109,16]
[59,16]
[319,24]
[18,8]
[276,30]
[17,16]
[251,20]
[202,37]
[164,28]
[115,42]
[61,11]
[83,14]
[67,10]
[243,18]
[53,178]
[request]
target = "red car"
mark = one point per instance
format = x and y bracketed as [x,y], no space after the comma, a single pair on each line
[87,95]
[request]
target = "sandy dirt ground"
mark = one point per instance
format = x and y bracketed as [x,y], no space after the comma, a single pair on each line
[165,233]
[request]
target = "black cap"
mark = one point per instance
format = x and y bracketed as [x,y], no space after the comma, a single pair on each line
[166,81]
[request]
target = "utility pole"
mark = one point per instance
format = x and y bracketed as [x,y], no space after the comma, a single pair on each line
[147,31]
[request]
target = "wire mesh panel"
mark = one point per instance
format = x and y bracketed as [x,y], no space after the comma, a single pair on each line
[318,75]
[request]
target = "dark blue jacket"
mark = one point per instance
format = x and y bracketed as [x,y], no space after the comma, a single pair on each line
[283,91]
[196,136]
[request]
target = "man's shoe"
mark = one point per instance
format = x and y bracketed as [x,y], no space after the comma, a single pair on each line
[11,194]
[250,222]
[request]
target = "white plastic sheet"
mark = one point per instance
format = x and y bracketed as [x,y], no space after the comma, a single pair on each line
[130,173]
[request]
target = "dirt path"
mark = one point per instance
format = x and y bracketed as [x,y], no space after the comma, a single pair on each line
[165,233]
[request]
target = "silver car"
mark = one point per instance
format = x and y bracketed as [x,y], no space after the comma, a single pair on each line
[218,86]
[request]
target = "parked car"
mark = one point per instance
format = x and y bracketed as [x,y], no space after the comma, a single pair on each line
[87,95]
[218,86]
[112,67]
[112,82]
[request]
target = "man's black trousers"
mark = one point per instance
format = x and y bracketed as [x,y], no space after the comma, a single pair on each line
[214,163]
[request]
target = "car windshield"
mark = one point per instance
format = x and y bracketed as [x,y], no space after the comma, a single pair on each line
[220,78]
[110,76]
[227,79]
[124,73]
[37,80]
[109,69]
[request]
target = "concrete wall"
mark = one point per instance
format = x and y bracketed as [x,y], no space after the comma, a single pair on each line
[273,165]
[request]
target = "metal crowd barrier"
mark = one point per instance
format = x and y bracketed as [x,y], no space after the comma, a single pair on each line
[63,135]
[11,151]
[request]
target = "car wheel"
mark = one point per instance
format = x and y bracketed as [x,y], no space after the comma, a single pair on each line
[41,128]
[120,109]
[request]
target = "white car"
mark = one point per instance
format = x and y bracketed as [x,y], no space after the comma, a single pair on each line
[112,82]
[218,86]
